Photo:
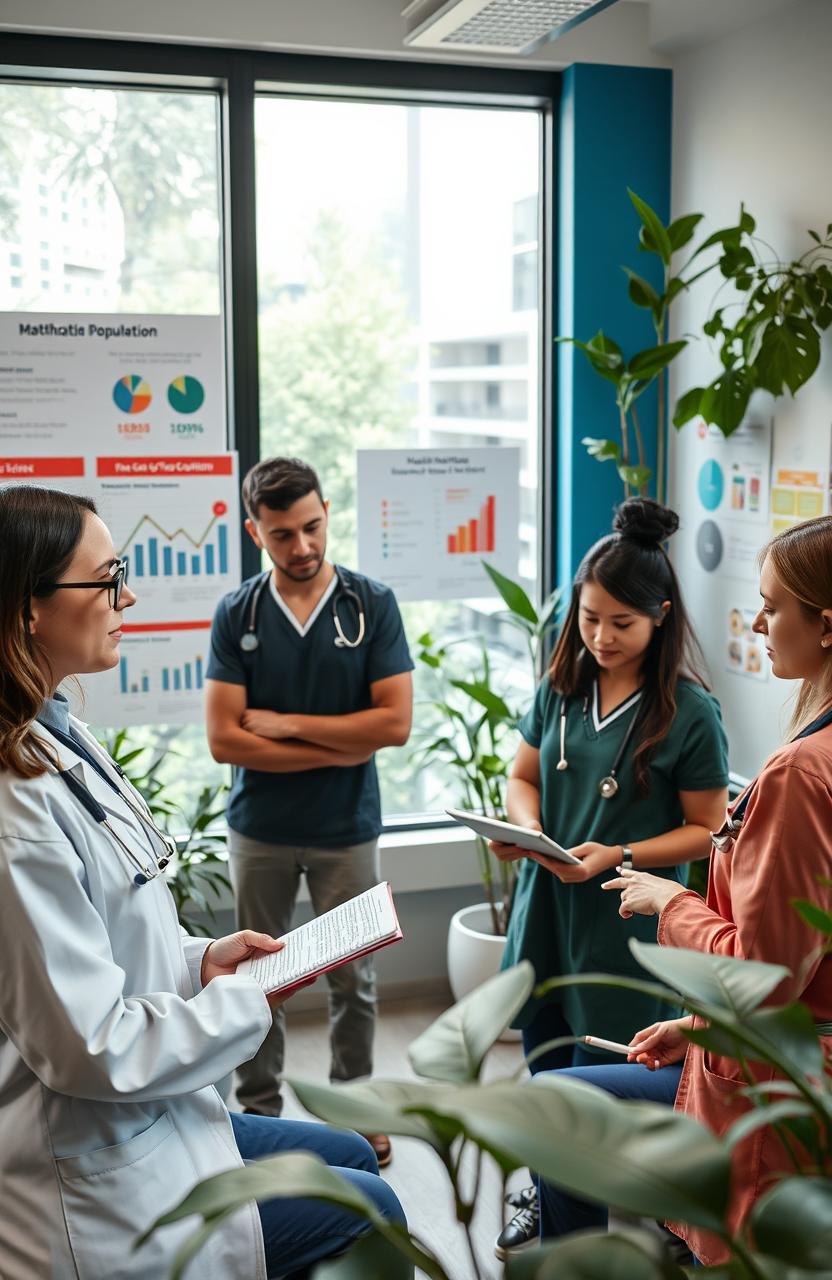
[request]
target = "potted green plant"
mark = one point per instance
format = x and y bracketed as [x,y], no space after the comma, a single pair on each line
[581,1139]
[474,745]
[767,335]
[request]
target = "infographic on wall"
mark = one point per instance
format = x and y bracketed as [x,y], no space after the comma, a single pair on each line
[72,384]
[428,518]
[176,522]
[732,485]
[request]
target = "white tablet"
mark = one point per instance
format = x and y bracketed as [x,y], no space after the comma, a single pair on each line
[508,833]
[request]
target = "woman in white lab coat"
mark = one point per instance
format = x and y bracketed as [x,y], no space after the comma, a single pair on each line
[113,1023]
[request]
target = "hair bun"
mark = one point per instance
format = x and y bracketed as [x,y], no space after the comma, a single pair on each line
[645,521]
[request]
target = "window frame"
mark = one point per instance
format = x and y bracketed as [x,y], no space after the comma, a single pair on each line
[238,77]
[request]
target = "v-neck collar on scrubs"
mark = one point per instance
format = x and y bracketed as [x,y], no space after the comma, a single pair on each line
[303,628]
[623,707]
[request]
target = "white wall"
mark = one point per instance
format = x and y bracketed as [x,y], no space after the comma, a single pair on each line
[752,123]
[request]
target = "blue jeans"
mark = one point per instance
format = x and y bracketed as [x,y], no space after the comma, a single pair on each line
[561,1213]
[298,1233]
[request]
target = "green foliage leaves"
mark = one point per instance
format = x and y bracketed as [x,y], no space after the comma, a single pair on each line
[512,594]
[719,982]
[454,1047]
[773,343]
[642,1158]
[794,1223]
[591,1255]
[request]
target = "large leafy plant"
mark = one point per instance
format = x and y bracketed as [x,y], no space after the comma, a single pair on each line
[767,334]
[198,875]
[475,742]
[639,1158]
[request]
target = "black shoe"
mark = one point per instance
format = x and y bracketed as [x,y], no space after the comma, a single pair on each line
[520,1233]
[522,1198]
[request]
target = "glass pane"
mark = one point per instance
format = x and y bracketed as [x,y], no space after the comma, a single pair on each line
[397,255]
[109,200]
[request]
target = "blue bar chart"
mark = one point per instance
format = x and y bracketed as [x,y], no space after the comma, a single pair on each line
[153,552]
[185,677]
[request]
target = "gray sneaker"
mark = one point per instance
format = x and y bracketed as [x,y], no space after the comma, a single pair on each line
[522,1231]
[525,1196]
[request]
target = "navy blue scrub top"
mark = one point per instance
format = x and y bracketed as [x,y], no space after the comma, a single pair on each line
[308,675]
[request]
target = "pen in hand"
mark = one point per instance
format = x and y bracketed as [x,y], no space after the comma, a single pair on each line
[612,1046]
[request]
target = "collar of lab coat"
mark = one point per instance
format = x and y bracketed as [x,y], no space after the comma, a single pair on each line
[111,801]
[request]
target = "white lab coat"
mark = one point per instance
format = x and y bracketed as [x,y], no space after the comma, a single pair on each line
[109,1048]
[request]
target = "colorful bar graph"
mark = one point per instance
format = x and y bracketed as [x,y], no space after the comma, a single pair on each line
[209,557]
[477,534]
[189,677]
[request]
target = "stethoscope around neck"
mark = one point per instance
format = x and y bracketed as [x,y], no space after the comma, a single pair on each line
[250,641]
[142,871]
[608,786]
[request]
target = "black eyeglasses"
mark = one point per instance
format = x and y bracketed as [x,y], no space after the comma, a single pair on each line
[115,585]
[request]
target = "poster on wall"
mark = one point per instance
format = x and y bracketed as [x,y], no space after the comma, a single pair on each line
[428,518]
[159,678]
[733,496]
[176,521]
[745,653]
[72,383]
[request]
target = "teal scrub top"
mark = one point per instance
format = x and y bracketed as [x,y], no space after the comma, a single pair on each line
[576,928]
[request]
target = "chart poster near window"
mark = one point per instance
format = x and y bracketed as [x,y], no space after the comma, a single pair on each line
[428,518]
[175,520]
[109,384]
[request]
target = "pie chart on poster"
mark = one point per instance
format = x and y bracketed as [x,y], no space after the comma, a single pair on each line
[711,484]
[131,394]
[709,545]
[186,394]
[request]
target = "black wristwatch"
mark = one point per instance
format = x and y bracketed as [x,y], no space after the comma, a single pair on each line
[626,857]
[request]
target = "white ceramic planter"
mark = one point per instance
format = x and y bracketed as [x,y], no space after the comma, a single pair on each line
[474,953]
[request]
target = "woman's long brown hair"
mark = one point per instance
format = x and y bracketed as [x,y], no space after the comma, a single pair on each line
[632,566]
[39,532]
[801,558]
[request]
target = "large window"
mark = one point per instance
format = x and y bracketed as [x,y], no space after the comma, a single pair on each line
[397,293]
[390,316]
[110,202]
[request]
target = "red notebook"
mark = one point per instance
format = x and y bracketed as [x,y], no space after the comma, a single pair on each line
[361,925]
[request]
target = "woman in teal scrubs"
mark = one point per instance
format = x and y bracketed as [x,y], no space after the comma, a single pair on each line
[623,762]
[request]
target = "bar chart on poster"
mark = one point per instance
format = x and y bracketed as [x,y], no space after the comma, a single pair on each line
[174,520]
[427,519]
[159,678]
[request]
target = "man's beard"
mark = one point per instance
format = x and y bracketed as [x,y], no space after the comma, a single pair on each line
[304,575]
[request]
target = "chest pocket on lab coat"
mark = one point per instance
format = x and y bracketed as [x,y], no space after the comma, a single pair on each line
[112,1195]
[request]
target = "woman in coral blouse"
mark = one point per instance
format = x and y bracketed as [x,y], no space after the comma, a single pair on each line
[776,845]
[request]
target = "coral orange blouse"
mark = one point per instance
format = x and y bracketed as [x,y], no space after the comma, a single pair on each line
[783,851]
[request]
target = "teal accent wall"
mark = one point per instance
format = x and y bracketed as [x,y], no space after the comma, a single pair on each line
[615,133]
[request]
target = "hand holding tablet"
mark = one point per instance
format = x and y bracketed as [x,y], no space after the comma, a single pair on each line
[508,833]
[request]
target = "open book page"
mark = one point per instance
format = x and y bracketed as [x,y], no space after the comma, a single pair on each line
[358,925]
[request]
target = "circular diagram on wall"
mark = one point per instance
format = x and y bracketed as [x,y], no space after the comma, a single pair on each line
[186,394]
[711,484]
[709,545]
[131,394]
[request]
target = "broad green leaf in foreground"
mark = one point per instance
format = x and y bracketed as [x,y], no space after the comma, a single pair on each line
[720,982]
[793,1222]
[371,1106]
[373,1258]
[293,1174]
[454,1047]
[589,1255]
[640,1157]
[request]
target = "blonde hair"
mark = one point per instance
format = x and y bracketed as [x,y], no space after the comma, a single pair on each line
[801,558]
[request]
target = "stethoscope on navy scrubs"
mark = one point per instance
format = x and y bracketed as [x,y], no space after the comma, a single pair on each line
[144,872]
[249,640]
[608,786]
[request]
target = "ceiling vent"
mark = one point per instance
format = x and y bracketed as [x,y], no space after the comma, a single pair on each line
[493,26]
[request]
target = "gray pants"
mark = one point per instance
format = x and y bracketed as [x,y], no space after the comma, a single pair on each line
[266,878]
